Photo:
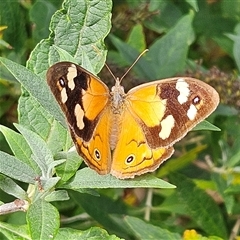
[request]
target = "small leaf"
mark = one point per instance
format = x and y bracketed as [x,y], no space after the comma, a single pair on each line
[43,220]
[236,44]
[14,168]
[41,21]
[205,125]
[41,154]
[10,187]
[234,160]
[60,195]
[19,147]
[233,189]
[12,15]
[64,55]
[222,185]
[136,38]
[49,183]
[69,168]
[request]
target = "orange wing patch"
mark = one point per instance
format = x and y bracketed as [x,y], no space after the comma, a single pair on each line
[95,98]
[146,105]
[132,155]
[96,152]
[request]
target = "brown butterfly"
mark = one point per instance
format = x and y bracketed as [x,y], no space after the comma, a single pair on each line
[128,134]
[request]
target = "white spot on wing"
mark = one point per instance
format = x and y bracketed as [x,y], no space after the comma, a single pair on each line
[183,88]
[167,124]
[192,111]
[64,96]
[72,73]
[79,114]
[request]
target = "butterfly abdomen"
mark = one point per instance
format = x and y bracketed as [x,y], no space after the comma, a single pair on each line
[115,129]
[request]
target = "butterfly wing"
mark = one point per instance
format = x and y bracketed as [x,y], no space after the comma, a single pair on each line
[161,113]
[132,155]
[167,109]
[84,100]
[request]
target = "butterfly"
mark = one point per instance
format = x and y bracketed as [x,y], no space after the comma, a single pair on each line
[128,134]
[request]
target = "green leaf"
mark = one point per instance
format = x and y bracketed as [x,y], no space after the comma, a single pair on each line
[15,231]
[94,233]
[35,86]
[64,55]
[200,206]
[41,154]
[143,68]
[136,38]
[236,44]
[39,120]
[205,125]
[79,28]
[88,178]
[169,53]
[172,205]
[60,195]
[205,184]
[102,209]
[14,168]
[233,189]
[178,163]
[166,57]
[12,15]
[40,14]
[10,187]
[49,183]
[194,4]
[170,14]
[234,160]
[222,185]
[143,230]
[5,101]
[19,147]
[43,220]
[231,9]
[69,168]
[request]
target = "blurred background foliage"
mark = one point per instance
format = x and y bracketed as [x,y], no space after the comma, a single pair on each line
[209,161]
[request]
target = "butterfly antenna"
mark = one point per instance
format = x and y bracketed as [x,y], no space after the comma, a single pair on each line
[99,53]
[140,55]
[108,68]
[115,78]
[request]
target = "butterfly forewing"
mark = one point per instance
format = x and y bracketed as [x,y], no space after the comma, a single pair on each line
[84,100]
[172,109]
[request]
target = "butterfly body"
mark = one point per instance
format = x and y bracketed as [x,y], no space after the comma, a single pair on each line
[128,134]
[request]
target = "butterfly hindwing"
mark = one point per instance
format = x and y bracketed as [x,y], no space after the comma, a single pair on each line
[132,155]
[96,152]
